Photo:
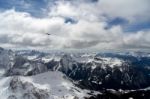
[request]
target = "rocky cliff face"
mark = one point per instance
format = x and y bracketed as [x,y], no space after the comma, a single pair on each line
[23,66]
[105,73]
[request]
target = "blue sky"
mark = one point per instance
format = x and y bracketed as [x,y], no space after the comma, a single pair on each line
[34,7]
[130,20]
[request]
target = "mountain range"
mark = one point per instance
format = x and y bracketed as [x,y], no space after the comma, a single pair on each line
[30,74]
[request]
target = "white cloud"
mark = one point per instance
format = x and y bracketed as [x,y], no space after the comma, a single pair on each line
[128,9]
[21,30]
[140,40]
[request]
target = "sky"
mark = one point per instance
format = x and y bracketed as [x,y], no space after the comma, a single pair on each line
[75,24]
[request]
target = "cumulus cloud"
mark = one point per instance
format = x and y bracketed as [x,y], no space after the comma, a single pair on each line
[22,30]
[128,9]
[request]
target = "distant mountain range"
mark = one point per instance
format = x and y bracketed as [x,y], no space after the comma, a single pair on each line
[32,74]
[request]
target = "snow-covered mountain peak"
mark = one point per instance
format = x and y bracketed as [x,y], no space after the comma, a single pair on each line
[111,62]
[49,85]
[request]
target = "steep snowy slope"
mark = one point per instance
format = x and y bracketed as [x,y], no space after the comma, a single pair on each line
[59,85]
[48,85]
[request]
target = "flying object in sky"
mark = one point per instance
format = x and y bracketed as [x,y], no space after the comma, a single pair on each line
[47,33]
[52,35]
